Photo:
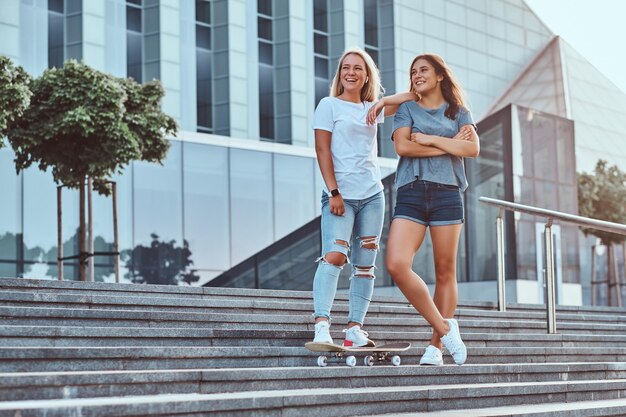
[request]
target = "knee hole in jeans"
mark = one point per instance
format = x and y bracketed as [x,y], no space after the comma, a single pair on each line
[335,258]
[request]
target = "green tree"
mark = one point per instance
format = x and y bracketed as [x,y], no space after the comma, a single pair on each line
[83,123]
[603,196]
[14,94]
[161,263]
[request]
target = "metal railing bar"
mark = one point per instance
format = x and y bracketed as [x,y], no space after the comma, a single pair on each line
[557,215]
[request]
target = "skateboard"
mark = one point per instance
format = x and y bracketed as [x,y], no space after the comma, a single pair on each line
[337,353]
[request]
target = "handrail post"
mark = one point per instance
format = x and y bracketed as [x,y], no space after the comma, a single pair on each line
[550,285]
[60,232]
[501,283]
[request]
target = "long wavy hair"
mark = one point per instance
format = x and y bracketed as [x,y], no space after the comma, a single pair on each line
[372,88]
[450,87]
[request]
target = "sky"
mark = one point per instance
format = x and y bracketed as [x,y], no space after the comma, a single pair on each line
[596,29]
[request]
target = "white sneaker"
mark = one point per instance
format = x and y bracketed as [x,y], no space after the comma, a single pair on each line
[432,356]
[355,337]
[452,341]
[322,332]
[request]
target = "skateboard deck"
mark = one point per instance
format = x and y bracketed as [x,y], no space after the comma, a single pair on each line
[373,354]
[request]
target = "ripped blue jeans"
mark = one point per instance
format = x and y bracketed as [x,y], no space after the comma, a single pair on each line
[355,234]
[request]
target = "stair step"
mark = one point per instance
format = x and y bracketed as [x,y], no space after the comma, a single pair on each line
[54,336]
[603,408]
[34,316]
[24,359]
[323,401]
[197,305]
[51,385]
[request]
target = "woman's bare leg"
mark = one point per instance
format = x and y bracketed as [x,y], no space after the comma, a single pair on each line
[445,247]
[405,238]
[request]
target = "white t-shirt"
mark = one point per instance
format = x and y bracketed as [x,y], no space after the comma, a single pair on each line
[353,146]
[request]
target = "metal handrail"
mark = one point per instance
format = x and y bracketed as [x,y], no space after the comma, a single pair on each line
[550,215]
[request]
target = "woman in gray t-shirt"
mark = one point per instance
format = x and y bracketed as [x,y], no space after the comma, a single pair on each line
[432,135]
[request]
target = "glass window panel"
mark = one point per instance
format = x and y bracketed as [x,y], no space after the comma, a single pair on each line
[55,5]
[565,152]
[265,28]
[251,202]
[7,270]
[293,196]
[203,11]
[124,184]
[73,6]
[373,53]
[151,71]
[321,89]
[371,22]
[133,56]
[151,20]
[265,7]
[158,217]
[137,2]
[207,224]
[10,208]
[152,48]
[321,44]
[74,28]
[266,102]
[321,67]
[133,19]
[204,94]
[266,53]
[544,147]
[320,12]
[40,222]
[74,52]
[56,51]
[526,250]
[203,37]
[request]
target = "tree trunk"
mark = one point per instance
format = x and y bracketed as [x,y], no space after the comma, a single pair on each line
[82,260]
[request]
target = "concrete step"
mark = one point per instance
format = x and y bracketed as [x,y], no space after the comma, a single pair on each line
[27,359]
[252,306]
[76,336]
[35,316]
[326,401]
[57,385]
[604,408]
[164,291]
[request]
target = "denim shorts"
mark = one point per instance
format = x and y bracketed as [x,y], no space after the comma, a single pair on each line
[429,203]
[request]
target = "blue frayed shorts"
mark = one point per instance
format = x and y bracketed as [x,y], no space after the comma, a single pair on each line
[429,203]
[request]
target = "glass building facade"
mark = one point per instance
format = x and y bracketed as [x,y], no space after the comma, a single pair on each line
[243,77]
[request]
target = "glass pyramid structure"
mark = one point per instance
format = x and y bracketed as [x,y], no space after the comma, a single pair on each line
[560,81]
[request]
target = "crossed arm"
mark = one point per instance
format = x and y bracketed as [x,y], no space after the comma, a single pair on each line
[464,144]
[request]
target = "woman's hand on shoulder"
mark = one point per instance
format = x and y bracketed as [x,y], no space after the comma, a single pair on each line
[374,111]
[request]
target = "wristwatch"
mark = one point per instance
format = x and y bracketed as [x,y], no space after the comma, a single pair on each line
[334,193]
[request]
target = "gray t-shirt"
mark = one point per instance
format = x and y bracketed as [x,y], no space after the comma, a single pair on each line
[443,169]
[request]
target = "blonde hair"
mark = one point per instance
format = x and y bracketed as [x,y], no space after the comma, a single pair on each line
[450,88]
[372,88]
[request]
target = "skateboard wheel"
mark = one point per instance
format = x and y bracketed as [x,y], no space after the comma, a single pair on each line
[322,361]
[368,360]
[351,361]
[395,360]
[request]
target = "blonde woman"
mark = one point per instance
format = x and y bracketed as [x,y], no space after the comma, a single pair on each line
[353,202]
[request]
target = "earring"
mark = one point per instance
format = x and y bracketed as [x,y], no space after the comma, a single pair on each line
[367,80]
